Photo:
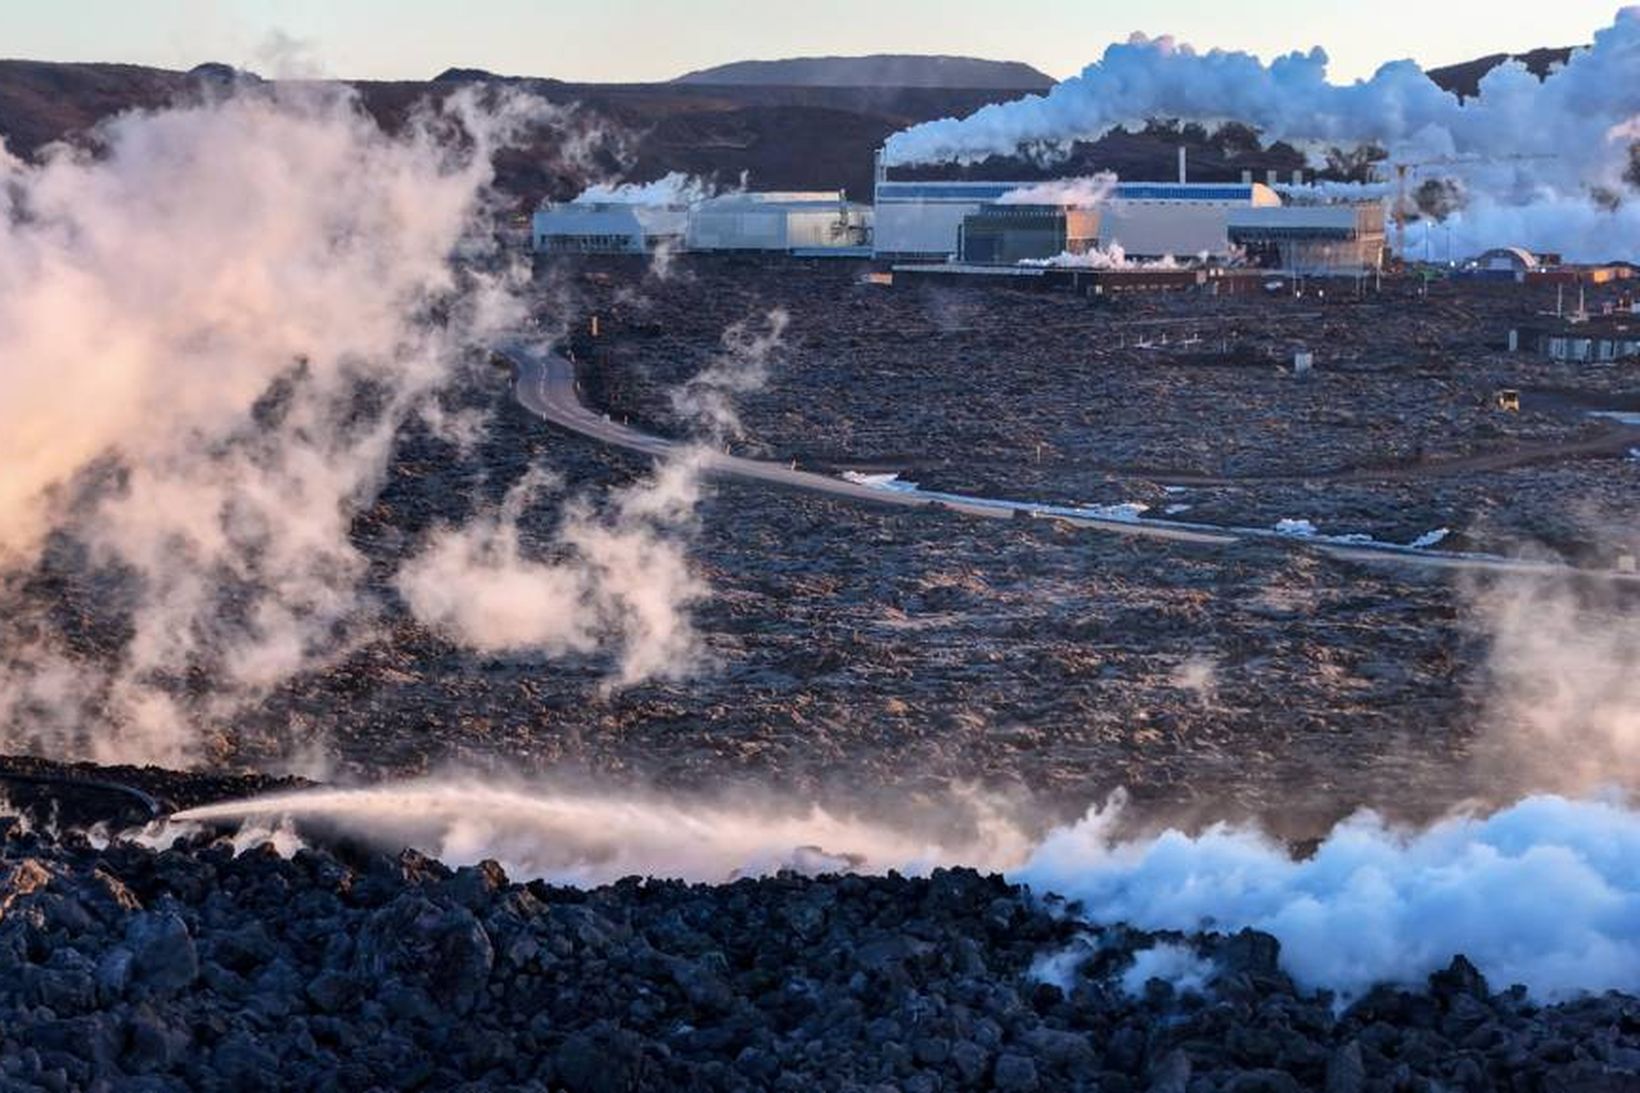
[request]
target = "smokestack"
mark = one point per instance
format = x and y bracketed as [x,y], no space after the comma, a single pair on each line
[1181,165]
[1270,177]
[1298,177]
[1247,178]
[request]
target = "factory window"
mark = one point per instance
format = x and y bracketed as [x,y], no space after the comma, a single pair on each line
[587,244]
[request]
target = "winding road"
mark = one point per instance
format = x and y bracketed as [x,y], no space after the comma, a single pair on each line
[544,383]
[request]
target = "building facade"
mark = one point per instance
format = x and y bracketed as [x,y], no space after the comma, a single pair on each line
[778,221]
[1344,238]
[922,221]
[967,221]
[572,227]
[1010,234]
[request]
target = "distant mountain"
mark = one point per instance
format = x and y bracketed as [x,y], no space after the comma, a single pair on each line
[782,138]
[474,75]
[1464,79]
[878,70]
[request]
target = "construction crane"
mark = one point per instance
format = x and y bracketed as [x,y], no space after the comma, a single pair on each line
[1402,167]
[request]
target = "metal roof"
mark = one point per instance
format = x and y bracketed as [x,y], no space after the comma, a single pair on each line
[1123,191]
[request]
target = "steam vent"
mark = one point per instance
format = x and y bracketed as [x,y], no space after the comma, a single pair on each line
[676,557]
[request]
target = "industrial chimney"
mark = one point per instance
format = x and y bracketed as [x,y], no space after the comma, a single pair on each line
[1298,177]
[1181,165]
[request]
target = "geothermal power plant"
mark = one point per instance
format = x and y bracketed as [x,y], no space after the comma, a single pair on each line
[990,223]
[628,568]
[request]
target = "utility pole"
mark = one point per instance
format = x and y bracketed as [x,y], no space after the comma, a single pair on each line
[1401,209]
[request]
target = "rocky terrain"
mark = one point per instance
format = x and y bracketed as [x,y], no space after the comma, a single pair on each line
[861,655]
[920,670]
[190,966]
[1175,401]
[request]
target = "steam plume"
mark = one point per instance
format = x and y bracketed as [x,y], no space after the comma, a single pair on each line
[214,326]
[674,188]
[621,577]
[587,838]
[1562,685]
[1539,894]
[749,348]
[1092,190]
[1581,118]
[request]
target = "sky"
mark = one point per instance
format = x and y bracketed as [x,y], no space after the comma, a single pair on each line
[640,40]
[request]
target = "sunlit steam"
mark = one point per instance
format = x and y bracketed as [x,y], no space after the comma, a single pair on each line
[1572,196]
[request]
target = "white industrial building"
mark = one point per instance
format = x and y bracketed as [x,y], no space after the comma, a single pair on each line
[814,223]
[775,221]
[924,221]
[1340,238]
[597,227]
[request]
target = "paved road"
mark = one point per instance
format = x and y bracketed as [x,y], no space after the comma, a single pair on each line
[545,385]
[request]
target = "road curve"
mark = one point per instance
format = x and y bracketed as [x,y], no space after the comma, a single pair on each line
[544,383]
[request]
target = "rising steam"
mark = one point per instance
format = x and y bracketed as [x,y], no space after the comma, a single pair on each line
[621,577]
[674,188]
[224,311]
[1581,121]
[750,347]
[214,321]
[1090,191]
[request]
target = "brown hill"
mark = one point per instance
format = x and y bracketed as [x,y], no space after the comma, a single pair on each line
[781,137]
[877,70]
[1464,79]
[42,101]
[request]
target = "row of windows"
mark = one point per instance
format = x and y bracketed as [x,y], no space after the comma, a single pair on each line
[586,243]
[595,243]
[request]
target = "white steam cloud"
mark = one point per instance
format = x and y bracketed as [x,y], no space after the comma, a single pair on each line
[214,323]
[1091,190]
[750,347]
[1582,120]
[586,838]
[674,188]
[1541,893]
[620,577]
[230,305]
[1112,257]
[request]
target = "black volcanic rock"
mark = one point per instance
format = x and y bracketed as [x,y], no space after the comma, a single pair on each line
[253,971]
[877,70]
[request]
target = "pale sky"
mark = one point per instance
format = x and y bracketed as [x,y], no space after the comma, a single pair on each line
[640,40]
